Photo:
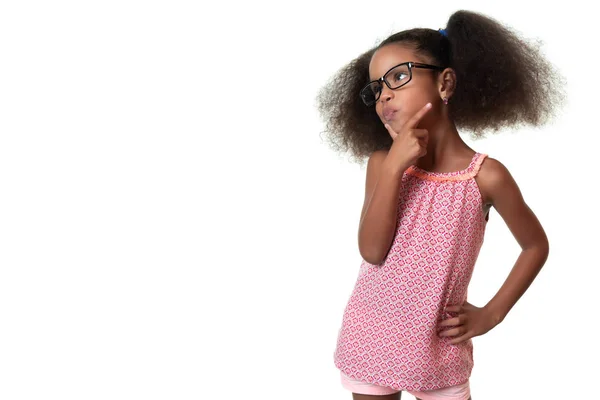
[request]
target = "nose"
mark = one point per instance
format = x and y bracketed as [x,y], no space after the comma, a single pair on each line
[386,93]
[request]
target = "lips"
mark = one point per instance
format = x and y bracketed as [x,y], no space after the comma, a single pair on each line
[388,113]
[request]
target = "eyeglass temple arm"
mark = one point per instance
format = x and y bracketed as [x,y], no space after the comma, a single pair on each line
[427,66]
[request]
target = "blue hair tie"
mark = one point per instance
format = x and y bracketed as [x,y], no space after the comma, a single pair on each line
[443,32]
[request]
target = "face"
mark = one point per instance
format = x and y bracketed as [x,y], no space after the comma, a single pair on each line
[408,99]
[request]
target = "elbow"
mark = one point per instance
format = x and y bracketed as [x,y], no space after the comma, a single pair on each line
[544,245]
[541,249]
[545,250]
[372,249]
[372,257]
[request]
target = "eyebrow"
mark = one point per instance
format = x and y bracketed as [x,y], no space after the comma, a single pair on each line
[388,70]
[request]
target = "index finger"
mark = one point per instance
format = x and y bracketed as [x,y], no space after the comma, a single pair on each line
[418,115]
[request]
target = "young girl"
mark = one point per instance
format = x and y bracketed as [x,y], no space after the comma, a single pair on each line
[408,325]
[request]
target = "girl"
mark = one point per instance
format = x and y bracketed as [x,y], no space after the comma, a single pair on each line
[407,325]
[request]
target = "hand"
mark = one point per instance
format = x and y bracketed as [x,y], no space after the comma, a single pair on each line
[409,143]
[471,321]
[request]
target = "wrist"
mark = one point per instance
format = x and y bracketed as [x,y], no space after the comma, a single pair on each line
[495,314]
[394,168]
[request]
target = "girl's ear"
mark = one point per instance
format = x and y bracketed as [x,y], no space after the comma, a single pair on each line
[447,83]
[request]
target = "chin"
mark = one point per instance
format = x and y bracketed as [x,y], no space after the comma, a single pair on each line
[397,122]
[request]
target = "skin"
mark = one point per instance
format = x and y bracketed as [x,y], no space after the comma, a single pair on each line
[447,152]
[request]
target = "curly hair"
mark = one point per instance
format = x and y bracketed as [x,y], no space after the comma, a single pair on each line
[501,81]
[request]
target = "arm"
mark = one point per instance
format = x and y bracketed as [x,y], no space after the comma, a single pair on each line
[379,213]
[500,189]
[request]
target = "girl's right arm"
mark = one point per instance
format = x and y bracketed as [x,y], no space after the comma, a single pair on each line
[384,178]
[379,213]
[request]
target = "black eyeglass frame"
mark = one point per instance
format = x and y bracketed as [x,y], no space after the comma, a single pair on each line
[383,79]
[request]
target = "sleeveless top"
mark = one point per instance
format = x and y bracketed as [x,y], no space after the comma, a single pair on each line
[389,334]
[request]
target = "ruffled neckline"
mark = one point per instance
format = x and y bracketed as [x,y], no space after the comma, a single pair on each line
[462,174]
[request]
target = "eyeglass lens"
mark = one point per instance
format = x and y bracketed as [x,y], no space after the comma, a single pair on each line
[395,78]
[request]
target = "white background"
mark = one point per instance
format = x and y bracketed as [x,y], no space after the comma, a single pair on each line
[173,227]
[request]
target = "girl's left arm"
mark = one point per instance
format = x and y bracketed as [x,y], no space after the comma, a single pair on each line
[501,191]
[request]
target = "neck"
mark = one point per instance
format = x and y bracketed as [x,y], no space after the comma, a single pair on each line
[444,144]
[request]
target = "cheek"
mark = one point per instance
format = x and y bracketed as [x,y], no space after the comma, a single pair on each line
[421,94]
[408,113]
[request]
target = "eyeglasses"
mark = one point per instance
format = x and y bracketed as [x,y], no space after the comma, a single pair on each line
[400,75]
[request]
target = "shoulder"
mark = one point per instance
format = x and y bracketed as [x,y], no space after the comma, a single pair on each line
[504,195]
[377,156]
[374,165]
[376,160]
[492,169]
[493,179]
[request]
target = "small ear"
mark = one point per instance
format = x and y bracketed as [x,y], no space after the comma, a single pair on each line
[447,82]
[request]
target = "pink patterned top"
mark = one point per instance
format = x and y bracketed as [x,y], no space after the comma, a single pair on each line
[388,335]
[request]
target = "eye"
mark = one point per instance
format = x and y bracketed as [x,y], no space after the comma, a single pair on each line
[399,76]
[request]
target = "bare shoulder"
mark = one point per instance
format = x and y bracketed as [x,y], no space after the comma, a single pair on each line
[493,178]
[373,167]
[501,191]
[377,157]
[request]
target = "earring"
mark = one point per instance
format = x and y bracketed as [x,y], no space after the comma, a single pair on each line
[445,100]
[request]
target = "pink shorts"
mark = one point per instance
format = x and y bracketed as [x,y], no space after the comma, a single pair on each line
[457,392]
